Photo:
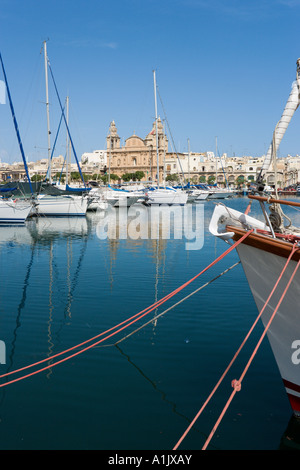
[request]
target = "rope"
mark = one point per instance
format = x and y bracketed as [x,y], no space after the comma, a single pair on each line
[121,326]
[175,305]
[237,384]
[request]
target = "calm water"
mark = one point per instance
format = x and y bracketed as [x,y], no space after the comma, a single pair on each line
[61,284]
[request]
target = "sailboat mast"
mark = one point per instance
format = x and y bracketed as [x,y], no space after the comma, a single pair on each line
[216,159]
[164,154]
[109,160]
[47,109]
[16,125]
[189,160]
[155,102]
[67,143]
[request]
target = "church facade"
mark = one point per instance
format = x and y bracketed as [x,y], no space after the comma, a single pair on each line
[137,154]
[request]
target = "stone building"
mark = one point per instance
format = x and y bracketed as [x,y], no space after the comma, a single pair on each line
[137,154]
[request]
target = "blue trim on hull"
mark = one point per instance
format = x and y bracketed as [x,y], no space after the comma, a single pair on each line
[60,215]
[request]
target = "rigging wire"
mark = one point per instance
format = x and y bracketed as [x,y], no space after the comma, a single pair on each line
[175,305]
[182,172]
[119,327]
[236,384]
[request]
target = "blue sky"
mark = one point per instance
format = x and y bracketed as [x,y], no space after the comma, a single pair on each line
[224,68]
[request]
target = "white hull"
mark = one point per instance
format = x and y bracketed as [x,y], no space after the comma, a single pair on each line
[263,259]
[202,196]
[14,212]
[197,195]
[120,198]
[96,201]
[126,201]
[219,194]
[61,206]
[166,196]
[98,205]
[262,270]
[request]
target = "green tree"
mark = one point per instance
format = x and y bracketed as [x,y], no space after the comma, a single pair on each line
[240,179]
[36,178]
[139,175]
[127,176]
[75,176]
[211,179]
[174,178]
[104,178]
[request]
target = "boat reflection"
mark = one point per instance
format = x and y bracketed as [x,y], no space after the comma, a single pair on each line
[291,437]
[44,229]
[53,227]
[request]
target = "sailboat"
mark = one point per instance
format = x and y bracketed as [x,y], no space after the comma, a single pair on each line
[162,195]
[194,194]
[64,204]
[214,191]
[270,255]
[103,197]
[14,211]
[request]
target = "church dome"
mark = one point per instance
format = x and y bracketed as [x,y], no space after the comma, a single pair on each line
[134,141]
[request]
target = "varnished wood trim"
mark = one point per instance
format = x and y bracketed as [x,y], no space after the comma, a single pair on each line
[265,243]
[272,201]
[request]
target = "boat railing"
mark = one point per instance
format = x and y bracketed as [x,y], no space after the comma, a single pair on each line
[271,200]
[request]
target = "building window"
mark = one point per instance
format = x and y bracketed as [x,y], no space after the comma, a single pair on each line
[134,161]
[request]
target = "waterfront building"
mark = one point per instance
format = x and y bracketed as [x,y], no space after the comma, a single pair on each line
[140,155]
[94,160]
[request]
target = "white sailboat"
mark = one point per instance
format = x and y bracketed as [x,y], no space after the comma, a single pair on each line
[270,256]
[163,195]
[120,197]
[62,205]
[15,211]
[111,196]
[194,194]
[214,191]
[97,201]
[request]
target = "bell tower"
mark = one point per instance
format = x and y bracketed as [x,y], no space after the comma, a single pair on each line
[113,140]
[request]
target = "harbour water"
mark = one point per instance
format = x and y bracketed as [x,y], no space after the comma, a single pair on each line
[63,283]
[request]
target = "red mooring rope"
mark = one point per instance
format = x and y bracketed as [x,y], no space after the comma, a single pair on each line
[119,327]
[236,384]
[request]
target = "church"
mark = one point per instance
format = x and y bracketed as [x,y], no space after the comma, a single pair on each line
[137,154]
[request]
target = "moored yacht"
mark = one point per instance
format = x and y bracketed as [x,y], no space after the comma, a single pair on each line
[14,211]
[61,206]
[165,195]
[270,255]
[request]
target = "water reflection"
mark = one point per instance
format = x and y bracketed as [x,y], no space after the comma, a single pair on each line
[291,437]
[62,262]
[63,283]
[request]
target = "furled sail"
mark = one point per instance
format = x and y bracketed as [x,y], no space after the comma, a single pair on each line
[289,110]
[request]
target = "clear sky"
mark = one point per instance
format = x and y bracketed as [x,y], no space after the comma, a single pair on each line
[223,67]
